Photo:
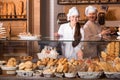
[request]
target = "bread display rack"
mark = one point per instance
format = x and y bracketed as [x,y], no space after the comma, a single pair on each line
[13,10]
[14,15]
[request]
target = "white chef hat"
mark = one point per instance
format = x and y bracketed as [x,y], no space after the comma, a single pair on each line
[90,9]
[72,11]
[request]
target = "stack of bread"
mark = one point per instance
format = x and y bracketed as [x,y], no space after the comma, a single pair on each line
[26,68]
[112,51]
[62,65]
[89,65]
[11,62]
[110,66]
[48,52]
[27,36]
[111,57]
[90,69]
[12,9]
[10,67]
[68,67]
[111,60]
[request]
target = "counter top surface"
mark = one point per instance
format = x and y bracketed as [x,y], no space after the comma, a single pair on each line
[110,38]
[3,77]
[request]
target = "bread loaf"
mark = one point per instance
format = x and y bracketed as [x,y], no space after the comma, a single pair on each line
[25,9]
[1,3]
[4,10]
[11,9]
[19,9]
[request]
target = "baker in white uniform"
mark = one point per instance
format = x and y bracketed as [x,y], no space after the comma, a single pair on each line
[92,32]
[70,32]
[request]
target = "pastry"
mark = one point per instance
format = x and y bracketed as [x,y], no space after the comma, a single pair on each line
[117,66]
[27,66]
[12,62]
[34,66]
[26,58]
[104,55]
[60,68]
[72,60]
[116,60]
[65,68]
[21,66]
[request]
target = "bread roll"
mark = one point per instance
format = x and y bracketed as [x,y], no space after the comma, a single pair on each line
[12,62]
[21,66]
[117,66]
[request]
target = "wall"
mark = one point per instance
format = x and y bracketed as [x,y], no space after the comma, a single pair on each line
[57,9]
[45,15]
[36,16]
[112,14]
[36,22]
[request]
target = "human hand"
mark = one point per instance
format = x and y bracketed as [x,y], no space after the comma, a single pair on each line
[106,31]
[80,55]
[57,36]
[105,37]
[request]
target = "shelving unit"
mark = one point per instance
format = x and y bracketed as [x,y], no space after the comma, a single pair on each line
[18,23]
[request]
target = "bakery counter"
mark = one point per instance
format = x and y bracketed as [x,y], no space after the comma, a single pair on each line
[44,78]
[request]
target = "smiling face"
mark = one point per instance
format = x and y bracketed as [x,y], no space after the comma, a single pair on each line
[92,16]
[74,19]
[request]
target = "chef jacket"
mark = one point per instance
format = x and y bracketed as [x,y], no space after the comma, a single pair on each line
[91,35]
[66,33]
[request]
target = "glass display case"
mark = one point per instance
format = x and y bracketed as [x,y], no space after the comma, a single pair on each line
[108,52]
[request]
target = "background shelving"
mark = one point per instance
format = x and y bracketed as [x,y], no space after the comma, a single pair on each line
[78,2]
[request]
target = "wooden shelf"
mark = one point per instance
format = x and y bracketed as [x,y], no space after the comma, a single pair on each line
[75,2]
[82,22]
[13,19]
[112,23]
